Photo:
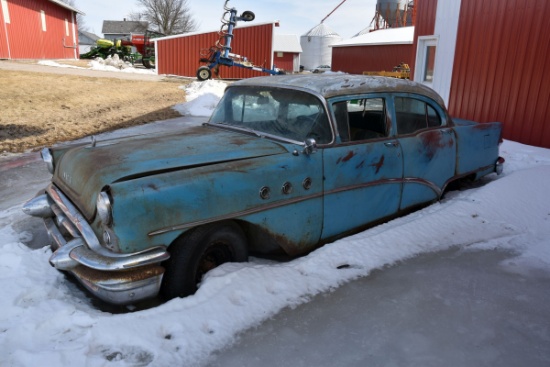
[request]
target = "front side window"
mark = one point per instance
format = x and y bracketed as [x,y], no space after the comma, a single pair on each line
[288,114]
[361,119]
[413,115]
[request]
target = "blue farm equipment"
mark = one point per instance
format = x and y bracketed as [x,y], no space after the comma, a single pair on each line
[220,53]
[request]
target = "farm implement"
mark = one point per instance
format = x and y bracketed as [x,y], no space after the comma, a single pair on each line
[140,47]
[220,54]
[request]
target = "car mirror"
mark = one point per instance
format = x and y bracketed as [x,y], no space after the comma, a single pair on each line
[310,146]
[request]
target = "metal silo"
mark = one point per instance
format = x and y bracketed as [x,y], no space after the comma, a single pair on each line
[393,13]
[315,46]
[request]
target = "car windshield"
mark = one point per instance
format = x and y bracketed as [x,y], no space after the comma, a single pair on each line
[285,113]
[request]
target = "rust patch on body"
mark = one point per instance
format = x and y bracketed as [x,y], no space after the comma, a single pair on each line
[379,164]
[349,156]
[127,276]
[434,140]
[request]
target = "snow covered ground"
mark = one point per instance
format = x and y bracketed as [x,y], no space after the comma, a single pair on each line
[113,64]
[47,321]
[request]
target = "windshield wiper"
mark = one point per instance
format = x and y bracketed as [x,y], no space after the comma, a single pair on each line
[240,128]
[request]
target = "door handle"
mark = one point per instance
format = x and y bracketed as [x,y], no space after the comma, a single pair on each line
[392,144]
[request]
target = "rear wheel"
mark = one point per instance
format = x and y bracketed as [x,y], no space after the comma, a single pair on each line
[204,73]
[198,252]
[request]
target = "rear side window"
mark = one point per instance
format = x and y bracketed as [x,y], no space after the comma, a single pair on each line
[413,115]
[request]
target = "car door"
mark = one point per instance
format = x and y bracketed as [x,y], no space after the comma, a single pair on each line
[363,170]
[428,145]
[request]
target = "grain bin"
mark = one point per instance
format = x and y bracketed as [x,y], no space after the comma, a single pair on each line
[316,48]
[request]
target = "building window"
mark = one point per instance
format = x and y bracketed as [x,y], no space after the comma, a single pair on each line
[429,61]
[5,11]
[43,18]
[280,54]
[66,27]
[425,59]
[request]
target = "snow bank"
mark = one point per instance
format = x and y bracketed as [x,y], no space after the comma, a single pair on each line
[201,98]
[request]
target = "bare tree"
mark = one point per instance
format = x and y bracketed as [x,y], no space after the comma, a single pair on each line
[79,18]
[167,16]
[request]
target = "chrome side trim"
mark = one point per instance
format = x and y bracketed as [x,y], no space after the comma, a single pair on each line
[234,215]
[289,202]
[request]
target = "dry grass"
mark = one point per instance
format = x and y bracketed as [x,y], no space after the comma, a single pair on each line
[40,109]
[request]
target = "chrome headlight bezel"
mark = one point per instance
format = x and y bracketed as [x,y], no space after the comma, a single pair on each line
[104,208]
[47,157]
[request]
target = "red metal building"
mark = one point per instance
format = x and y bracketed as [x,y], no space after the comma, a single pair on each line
[38,29]
[287,51]
[179,55]
[488,59]
[375,51]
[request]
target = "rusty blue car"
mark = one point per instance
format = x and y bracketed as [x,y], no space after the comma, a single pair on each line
[284,165]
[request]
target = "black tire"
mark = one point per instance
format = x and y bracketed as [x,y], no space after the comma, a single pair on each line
[199,251]
[149,63]
[204,73]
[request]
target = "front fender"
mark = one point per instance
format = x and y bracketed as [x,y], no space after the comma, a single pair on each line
[155,210]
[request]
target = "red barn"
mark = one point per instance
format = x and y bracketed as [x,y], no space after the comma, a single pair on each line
[287,51]
[180,54]
[374,51]
[38,29]
[487,59]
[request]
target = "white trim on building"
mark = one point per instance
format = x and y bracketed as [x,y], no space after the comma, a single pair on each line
[444,41]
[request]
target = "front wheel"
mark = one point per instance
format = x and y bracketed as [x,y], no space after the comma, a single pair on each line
[204,73]
[149,63]
[199,251]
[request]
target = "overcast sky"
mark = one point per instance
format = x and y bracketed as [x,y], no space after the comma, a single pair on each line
[295,17]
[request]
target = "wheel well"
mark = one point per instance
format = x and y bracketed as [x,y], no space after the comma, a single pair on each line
[458,183]
[259,241]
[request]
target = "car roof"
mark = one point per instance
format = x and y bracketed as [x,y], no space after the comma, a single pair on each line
[334,85]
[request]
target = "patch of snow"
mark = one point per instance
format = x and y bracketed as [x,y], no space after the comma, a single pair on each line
[58,65]
[114,63]
[201,97]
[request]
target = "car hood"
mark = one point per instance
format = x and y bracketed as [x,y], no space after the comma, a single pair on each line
[83,171]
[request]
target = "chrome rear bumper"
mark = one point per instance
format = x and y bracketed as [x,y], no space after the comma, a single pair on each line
[499,165]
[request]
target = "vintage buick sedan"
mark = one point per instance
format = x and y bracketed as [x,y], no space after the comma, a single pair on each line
[285,164]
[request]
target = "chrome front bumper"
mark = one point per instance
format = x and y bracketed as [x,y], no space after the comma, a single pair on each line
[113,277]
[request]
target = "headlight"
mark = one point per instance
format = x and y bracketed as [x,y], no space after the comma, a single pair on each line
[104,208]
[48,159]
